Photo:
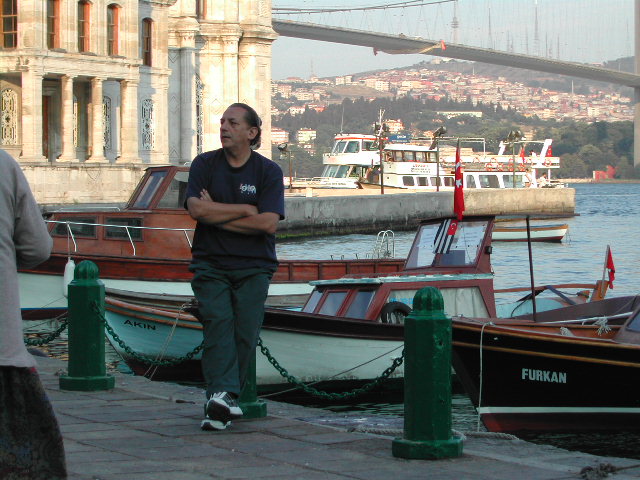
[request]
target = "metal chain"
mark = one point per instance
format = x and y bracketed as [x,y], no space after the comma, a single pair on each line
[265,351]
[144,358]
[326,395]
[38,342]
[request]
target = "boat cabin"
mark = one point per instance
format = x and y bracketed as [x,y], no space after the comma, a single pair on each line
[455,260]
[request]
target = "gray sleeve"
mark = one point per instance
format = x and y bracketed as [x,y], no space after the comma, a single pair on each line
[31,238]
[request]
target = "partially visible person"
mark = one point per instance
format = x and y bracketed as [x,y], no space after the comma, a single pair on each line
[236,197]
[543,181]
[530,179]
[31,445]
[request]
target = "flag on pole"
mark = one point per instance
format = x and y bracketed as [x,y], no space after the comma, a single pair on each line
[522,155]
[610,267]
[442,45]
[458,194]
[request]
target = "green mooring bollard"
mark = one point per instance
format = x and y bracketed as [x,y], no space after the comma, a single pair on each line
[427,381]
[87,370]
[249,403]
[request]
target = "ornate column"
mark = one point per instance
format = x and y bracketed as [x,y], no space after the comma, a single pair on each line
[188,120]
[97,123]
[129,140]
[32,117]
[68,124]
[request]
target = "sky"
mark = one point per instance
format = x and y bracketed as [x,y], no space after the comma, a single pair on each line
[589,31]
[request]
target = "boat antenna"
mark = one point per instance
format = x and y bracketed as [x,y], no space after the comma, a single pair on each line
[342,119]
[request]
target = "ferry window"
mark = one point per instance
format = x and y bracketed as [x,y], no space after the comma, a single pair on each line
[421,157]
[471,182]
[87,231]
[369,145]
[409,156]
[332,303]
[343,170]
[408,181]
[121,232]
[397,156]
[431,157]
[176,193]
[339,147]
[311,304]
[423,181]
[353,147]
[449,181]
[149,189]
[360,304]
[433,247]
[489,181]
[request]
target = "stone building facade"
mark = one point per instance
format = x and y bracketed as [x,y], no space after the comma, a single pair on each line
[85,83]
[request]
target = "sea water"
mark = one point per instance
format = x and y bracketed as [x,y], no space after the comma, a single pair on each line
[607,215]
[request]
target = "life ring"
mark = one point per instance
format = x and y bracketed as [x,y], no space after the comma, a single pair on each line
[511,164]
[547,162]
[499,167]
[490,167]
[394,313]
[522,167]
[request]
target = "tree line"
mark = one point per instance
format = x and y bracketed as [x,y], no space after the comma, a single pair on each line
[582,147]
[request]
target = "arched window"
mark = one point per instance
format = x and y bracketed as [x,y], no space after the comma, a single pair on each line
[113,28]
[146,41]
[9,24]
[53,23]
[84,18]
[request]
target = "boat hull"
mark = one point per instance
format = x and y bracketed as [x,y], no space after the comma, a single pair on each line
[521,381]
[313,352]
[538,233]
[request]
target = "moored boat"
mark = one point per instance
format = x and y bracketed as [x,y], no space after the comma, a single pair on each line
[537,233]
[357,318]
[576,368]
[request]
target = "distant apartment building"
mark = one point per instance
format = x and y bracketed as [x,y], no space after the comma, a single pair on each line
[302,94]
[344,80]
[296,110]
[306,135]
[278,136]
[284,89]
[458,113]
[395,126]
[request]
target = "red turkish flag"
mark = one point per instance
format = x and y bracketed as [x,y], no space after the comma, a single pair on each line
[611,268]
[458,195]
[522,154]
[442,45]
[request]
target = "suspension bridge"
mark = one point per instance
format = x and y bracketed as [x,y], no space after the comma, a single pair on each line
[403,44]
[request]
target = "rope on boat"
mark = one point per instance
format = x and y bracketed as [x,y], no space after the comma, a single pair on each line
[398,432]
[167,341]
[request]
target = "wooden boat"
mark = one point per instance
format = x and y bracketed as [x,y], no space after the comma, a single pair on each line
[353,321]
[146,247]
[538,233]
[567,371]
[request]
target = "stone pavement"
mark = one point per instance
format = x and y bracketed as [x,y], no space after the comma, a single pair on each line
[144,430]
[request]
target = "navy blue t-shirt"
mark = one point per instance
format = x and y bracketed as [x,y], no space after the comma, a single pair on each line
[258,182]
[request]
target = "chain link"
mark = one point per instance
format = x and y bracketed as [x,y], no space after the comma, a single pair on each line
[38,342]
[326,395]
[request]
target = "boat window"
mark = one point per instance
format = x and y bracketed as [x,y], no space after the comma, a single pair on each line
[339,146]
[489,181]
[471,182]
[408,181]
[149,189]
[433,247]
[421,157]
[360,304]
[508,180]
[343,171]
[353,147]
[397,155]
[312,302]
[88,231]
[121,232]
[332,302]
[466,301]
[634,324]
[431,157]
[409,156]
[449,181]
[423,181]
[369,145]
[176,193]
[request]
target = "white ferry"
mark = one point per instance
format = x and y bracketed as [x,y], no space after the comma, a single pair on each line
[354,162]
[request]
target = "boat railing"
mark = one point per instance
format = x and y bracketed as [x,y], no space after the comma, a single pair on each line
[127,229]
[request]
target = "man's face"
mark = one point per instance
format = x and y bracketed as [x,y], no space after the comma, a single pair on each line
[234,129]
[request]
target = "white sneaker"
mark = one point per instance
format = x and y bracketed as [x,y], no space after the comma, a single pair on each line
[210,424]
[223,407]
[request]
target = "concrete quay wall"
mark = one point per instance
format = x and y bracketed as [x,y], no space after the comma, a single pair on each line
[373,213]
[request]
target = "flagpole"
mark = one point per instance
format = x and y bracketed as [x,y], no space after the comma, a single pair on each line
[533,286]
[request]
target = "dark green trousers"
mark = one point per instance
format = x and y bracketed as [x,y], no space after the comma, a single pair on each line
[231,303]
